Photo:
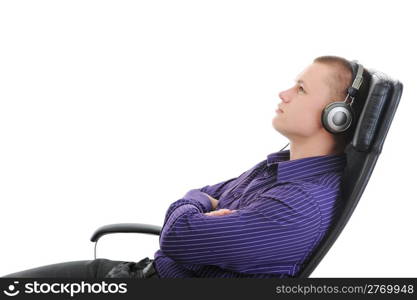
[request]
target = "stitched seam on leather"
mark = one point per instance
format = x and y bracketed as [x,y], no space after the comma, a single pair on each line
[379,113]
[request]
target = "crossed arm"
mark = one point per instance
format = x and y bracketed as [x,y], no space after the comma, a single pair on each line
[220,212]
[195,234]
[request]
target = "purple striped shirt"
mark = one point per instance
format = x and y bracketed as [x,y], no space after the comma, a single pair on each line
[283,209]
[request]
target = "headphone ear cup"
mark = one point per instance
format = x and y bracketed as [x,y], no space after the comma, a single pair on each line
[337,117]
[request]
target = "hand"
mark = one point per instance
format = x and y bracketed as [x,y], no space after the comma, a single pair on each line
[214,202]
[220,212]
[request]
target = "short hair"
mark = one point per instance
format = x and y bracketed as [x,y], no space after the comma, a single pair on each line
[339,82]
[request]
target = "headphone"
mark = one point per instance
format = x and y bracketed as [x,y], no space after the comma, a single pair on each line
[337,116]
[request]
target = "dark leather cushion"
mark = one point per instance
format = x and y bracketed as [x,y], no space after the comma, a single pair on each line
[379,92]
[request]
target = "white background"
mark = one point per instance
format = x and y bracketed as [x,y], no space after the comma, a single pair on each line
[112,110]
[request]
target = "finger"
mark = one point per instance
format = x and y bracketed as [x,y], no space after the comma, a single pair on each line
[214,214]
[220,212]
[225,212]
[228,210]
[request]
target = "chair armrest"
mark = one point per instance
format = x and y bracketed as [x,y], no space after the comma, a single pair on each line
[125,227]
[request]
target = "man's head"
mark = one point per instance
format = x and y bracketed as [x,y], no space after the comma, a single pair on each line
[326,80]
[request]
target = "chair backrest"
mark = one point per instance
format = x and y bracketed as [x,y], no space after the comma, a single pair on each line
[362,154]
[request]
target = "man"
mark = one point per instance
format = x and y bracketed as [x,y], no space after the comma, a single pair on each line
[265,222]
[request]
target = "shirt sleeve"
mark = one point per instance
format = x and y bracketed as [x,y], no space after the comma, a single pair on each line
[197,200]
[193,201]
[267,226]
[216,190]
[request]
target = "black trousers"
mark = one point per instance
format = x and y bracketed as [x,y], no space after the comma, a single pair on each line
[90,269]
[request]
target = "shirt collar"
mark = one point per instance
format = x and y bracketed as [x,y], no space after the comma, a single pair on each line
[288,170]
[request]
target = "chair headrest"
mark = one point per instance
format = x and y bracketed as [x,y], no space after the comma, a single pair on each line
[380,89]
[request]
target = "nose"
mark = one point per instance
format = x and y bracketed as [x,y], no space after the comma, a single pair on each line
[284,96]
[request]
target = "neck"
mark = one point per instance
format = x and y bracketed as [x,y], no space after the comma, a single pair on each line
[301,148]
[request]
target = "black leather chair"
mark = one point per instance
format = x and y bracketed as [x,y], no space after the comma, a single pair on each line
[362,154]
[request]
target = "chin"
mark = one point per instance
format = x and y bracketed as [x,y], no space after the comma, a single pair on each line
[275,124]
[278,129]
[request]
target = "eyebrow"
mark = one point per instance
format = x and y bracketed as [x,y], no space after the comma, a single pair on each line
[300,81]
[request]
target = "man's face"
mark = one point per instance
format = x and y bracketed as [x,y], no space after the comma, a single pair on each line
[303,103]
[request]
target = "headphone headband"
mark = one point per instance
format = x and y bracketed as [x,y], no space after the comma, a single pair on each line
[357,82]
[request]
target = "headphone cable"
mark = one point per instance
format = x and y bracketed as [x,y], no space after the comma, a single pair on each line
[284,147]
